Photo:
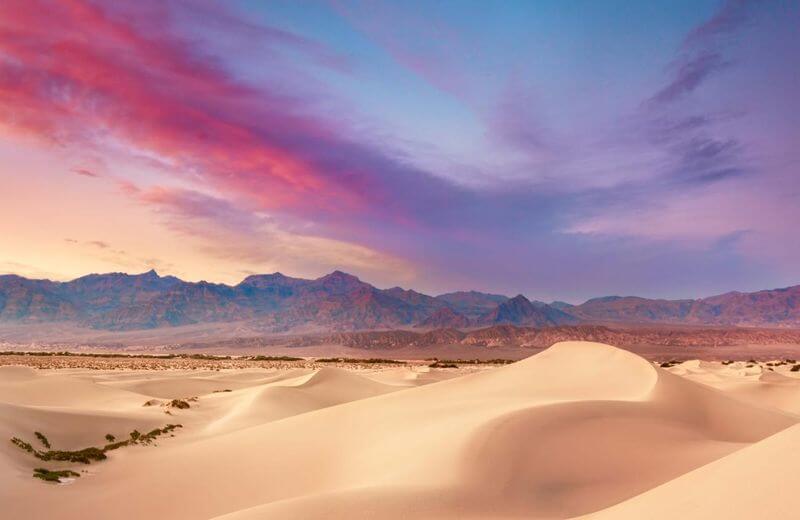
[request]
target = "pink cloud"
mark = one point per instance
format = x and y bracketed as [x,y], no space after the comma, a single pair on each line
[139,82]
[143,85]
[84,172]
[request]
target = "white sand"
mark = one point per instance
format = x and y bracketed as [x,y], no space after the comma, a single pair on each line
[581,428]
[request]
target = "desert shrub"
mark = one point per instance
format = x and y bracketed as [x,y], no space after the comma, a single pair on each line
[179,403]
[85,456]
[370,361]
[42,439]
[441,364]
[154,434]
[116,445]
[275,358]
[110,438]
[16,441]
[206,356]
[53,476]
[795,368]
[473,361]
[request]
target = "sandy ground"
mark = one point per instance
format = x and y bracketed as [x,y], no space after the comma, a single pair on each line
[578,430]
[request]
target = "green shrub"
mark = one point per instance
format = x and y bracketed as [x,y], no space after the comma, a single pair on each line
[22,444]
[153,434]
[179,403]
[42,439]
[53,476]
[275,358]
[473,361]
[370,361]
[85,456]
[116,445]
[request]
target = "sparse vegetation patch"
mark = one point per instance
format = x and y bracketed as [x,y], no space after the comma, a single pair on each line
[178,403]
[154,434]
[16,441]
[42,439]
[472,361]
[371,361]
[275,358]
[53,476]
[87,455]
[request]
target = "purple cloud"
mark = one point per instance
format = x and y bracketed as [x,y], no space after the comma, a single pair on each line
[732,15]
[701,55]
[689,76]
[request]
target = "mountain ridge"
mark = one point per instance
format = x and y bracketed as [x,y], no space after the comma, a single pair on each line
[340,301]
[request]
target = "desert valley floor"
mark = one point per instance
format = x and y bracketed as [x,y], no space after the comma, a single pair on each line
[580,429]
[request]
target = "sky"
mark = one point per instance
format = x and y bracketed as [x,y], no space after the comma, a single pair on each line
[562,150]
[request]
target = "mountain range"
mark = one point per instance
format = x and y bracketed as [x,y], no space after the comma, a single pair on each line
[341,302]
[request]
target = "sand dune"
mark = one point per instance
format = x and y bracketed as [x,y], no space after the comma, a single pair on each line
[756,482]
[175,388]
[753,383]
[574,430]
[296,395]
[56,389]
[16,374]
[409,378]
